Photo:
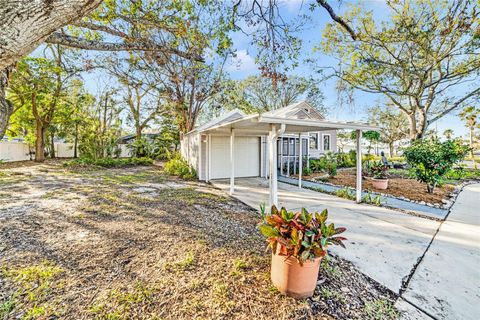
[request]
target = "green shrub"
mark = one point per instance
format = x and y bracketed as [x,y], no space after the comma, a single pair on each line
[462,173]
[396,159]
[178,166]
[163,148]
[430,160]
[316,165]
[326,163]
[307,171]
[140,148]
[372,199]
[109,162]
[347,193]
[352,155]
[344,160]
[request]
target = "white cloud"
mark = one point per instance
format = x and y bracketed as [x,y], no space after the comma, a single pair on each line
[242,62]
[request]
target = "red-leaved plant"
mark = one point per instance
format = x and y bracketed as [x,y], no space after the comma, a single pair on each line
[302,235]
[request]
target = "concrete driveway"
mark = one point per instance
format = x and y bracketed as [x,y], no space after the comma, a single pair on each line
[391,247]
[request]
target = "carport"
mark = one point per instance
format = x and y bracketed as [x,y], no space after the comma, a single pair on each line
[270,126]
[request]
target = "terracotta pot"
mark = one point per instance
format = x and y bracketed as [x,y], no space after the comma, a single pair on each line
[381,184]
[292,279]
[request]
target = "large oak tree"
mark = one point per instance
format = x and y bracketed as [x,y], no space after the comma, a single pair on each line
[424,59]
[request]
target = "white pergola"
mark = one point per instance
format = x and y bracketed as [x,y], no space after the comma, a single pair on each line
[273,128]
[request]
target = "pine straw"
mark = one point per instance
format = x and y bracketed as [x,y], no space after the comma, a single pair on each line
[136,244]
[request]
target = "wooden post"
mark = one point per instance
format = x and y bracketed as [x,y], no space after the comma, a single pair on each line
[358,197]
[232,161]
[300,165]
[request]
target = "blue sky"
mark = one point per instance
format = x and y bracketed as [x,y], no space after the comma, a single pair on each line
[245,63]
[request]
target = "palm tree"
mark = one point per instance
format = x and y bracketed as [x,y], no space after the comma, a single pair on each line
[448,134]
[470,116]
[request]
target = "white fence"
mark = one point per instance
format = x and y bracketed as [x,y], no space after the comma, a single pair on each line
[19,151]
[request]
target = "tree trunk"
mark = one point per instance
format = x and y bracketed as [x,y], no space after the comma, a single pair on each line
[39,142]
[6,107]
[422,123]
[412,129]
[75,142]
[24,24]
[390,149]
[138,132]
[52,146]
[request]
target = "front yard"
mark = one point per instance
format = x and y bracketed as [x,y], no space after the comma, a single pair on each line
[135,243]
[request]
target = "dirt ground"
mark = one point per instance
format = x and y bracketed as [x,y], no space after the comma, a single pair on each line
[134,243]
[409,188]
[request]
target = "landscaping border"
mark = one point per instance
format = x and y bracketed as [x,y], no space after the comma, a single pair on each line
[409,206]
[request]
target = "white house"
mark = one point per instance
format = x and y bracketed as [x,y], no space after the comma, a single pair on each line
[259,145]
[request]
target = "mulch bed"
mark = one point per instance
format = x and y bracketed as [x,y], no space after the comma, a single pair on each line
[133,243]
[408,188]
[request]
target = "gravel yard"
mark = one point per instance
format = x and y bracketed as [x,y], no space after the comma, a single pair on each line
[134,243]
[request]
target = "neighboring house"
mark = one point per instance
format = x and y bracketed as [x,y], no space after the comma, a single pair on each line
[150,137]
[237,145]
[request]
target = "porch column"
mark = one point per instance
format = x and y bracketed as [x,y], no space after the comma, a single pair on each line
[281,155]
[273,172]
[300,165]
[358,197]
[209,156]
[232,161]
[308,151]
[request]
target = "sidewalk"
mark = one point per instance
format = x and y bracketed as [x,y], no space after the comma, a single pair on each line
[446,283]
[382,243]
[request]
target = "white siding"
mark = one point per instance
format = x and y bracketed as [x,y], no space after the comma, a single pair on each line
[189,149]
[315,153]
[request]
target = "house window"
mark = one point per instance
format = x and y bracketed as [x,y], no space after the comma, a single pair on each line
[326,142]
[284,147]
[291,147]
[313,141]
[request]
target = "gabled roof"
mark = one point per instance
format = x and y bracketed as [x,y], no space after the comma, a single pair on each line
[298,110]
[297,117]
[235,114]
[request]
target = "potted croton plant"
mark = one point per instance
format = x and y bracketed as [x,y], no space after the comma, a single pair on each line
[298,242]
[379,175]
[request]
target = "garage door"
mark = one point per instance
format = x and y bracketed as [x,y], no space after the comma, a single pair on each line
[247,157]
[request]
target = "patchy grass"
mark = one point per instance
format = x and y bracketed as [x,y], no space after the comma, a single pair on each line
[34,285]
[187,263]
[134,243]
[380,309]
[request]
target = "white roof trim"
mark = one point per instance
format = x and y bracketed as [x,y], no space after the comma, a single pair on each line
[285,112]
[280,118]
[225,124]
[219,120]
[320,123]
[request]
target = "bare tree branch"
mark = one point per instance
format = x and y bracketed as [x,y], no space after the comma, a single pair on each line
[455,105]
[80,43]
[337,19]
